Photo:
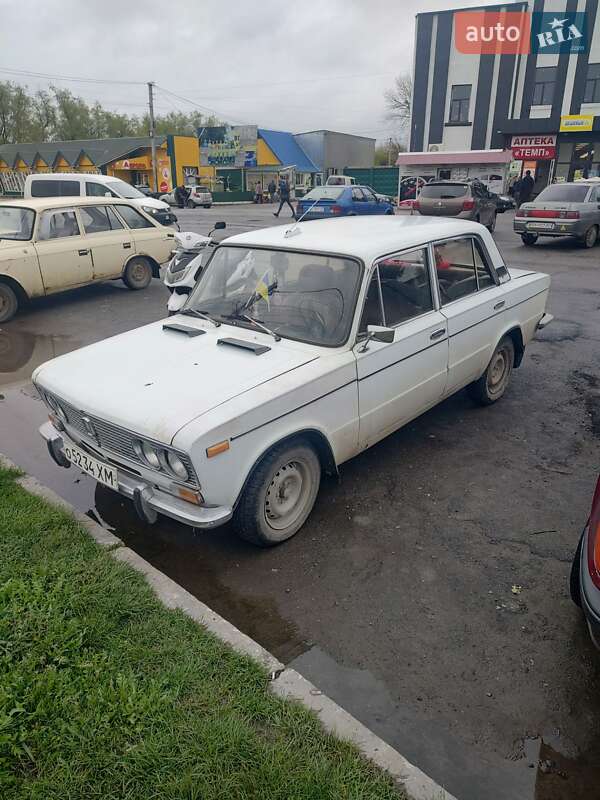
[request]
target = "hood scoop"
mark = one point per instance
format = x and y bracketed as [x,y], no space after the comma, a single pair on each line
[257,349]
[179,328]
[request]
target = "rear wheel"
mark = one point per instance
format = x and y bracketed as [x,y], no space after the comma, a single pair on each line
[529,239]
[590,237]
[492,384]
[190,204]
[138,274]
[207,205]
[279,495]
[9,302]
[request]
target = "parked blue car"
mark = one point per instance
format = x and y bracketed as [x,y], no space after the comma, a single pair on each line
[341,201]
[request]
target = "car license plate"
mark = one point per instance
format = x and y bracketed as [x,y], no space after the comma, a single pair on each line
[318,210]
[541,226]
[97,469]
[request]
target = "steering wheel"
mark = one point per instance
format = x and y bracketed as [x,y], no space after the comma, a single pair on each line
[314,320]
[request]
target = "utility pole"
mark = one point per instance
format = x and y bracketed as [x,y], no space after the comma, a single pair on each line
[152,134]
[390,152]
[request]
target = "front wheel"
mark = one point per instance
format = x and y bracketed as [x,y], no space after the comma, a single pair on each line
[206,205]
[190,204]
[529,239]
[138,274]
[494,381]
[590,237]
[279,495]
[9,302]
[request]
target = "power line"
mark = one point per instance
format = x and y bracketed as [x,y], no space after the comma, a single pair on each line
[298,80]
[48,76]
[198,106]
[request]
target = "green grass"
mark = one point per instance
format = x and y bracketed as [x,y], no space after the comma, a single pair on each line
[106,694]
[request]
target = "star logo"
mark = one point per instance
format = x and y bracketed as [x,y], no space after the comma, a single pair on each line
[557,23]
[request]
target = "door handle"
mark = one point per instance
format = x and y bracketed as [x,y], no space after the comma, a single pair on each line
[437,334]
[83,252]
[499,305]
[126,245]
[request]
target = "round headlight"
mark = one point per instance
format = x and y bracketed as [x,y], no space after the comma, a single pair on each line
[150,455]
[177,466]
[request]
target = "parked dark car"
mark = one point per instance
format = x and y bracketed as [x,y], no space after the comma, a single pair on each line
[585,572]
[562,209]
[325,202]
[460,199]
[504,202]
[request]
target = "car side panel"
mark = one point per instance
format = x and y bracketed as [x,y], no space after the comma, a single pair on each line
[21,263]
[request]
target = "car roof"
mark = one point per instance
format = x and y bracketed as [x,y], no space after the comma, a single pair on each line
[38,203]
[365,237]
[70,175]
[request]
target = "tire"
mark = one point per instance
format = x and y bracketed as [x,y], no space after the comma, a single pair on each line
[492,226]
[9,302]
[262,516]
[389,213]
[492,384]
[207,205]
[575,574]
[529,239]
[190,204]
[590,237]
[137,274]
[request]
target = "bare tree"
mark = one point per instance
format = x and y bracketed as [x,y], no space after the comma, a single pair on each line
[399,100]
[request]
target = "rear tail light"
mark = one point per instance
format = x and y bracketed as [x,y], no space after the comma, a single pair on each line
[593,553]
[468,205]
[336,209]
[545,213]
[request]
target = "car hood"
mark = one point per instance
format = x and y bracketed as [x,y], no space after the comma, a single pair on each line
[151,202]
[154,381]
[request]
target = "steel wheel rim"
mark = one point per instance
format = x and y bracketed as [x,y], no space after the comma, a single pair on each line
[138,273]
[498,371]
[590,237]
[287,494]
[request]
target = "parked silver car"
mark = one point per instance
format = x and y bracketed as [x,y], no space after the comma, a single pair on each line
[562,209]
[460,199]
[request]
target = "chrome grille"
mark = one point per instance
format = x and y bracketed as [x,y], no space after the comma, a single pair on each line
[117,440]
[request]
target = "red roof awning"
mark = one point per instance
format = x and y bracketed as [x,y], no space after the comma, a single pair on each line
[462,157]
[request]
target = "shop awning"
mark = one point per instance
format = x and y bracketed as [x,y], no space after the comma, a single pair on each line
[455,157]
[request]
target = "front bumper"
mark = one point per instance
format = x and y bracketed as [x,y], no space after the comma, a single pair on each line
[149,500]
[559,228]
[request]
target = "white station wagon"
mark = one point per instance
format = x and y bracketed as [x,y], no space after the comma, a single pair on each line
[296,350]
[51,244]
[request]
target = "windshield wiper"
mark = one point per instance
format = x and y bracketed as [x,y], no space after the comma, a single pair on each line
[258,324]
[193,312]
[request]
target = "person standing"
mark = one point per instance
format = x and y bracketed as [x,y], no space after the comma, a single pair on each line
[526,188]
[258,196]
[181,196]
[284,197]
[272,187]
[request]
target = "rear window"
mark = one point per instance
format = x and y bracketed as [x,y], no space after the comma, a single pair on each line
[51,188]
[564,193]
[324,193]
[444,191]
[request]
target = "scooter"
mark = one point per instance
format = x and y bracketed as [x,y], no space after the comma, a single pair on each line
[185,267]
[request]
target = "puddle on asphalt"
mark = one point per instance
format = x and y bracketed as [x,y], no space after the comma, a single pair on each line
[22,351]
[542,764]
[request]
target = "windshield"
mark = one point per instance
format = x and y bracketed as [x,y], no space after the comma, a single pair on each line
[300,296]
[564,193]
[324,193]
[124,189]
[444,191]
[16,223]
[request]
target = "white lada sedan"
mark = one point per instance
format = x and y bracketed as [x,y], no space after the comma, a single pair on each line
[297,349]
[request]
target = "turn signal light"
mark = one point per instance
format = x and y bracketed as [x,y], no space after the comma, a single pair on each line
[216,449]
[190,496]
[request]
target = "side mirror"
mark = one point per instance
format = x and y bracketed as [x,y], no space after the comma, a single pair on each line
[219,226]
[376,333]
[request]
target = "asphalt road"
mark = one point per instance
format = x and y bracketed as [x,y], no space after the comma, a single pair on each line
[397,596]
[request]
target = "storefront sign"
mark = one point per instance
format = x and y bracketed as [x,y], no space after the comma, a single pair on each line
[141,163]
[538,148]
[576,122]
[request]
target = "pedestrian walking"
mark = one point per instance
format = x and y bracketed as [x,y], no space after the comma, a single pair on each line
[272,187]
[181,196]
[258,193]
[284,197]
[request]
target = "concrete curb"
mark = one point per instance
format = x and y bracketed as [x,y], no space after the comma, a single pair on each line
[285,682]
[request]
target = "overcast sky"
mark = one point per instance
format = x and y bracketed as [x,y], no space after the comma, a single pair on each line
[289,66]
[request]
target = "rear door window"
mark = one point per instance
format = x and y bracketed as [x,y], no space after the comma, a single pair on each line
[95,219]
[55,188]
[58,224]
[462,269]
